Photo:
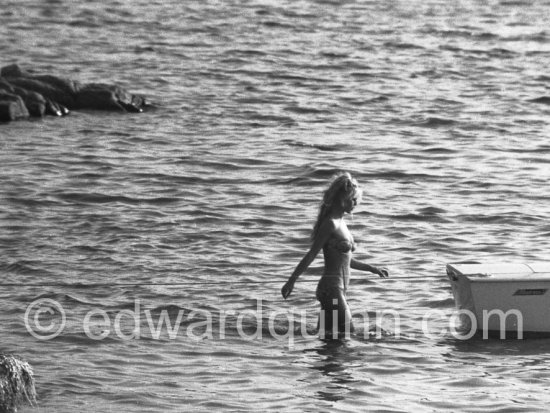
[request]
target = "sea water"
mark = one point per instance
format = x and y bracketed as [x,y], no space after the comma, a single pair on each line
[142,255]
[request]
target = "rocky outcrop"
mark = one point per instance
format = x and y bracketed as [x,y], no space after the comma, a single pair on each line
[24,94]
[12,107]
[108,97]
[16,383]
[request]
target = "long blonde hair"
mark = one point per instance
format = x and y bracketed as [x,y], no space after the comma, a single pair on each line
[341,188]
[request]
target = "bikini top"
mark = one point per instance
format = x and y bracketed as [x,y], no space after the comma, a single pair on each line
[342,245]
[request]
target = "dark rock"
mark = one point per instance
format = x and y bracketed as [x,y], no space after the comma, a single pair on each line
[53,95]
[47,90]
[110,97]
[35,102]
[12,70]
[55,109]
[96,97]
[138,103]
[58,89]
[68,86]
[5,86]
[17,386]
[12,107]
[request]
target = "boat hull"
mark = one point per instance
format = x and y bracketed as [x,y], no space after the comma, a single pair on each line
[502,298]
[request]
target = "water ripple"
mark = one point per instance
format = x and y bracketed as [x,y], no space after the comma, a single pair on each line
[206,203]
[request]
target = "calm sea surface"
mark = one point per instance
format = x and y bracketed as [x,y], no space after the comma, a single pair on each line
[196,212]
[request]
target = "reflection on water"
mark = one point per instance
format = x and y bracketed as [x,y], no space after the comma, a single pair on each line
[335,359]
[531,344]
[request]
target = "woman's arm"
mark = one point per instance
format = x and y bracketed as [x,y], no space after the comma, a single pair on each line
[361,266]
[325,231]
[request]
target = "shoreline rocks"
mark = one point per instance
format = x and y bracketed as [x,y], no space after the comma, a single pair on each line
[16,383]
[24,95]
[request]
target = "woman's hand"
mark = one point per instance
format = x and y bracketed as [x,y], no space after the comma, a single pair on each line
[287,289]
[382,272]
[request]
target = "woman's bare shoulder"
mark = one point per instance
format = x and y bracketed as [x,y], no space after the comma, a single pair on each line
[328,226]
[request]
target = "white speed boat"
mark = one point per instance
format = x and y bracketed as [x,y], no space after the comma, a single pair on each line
[502,297]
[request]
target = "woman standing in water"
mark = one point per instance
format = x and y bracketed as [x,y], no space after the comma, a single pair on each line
[331,234]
